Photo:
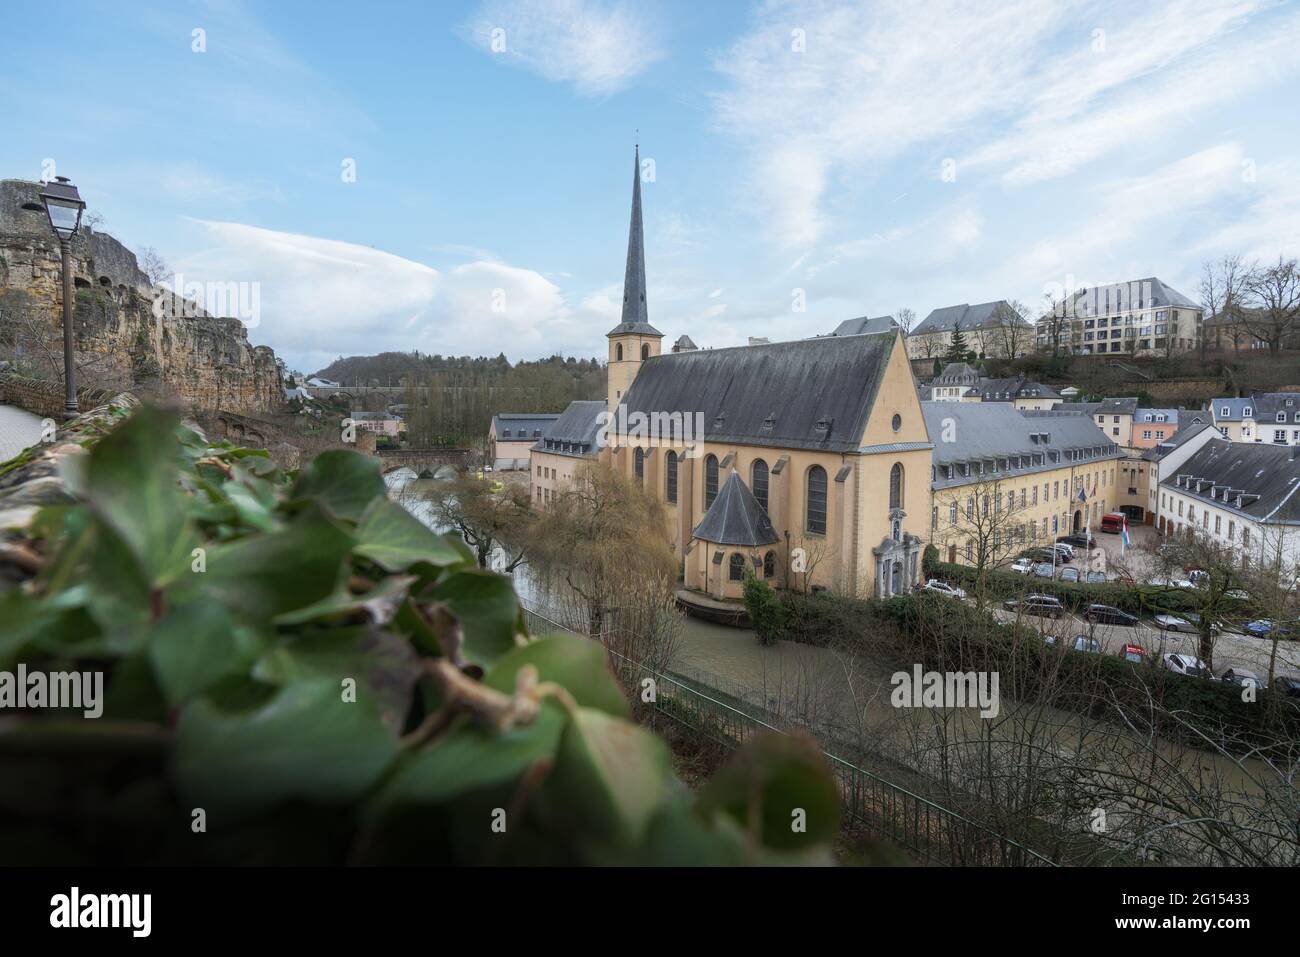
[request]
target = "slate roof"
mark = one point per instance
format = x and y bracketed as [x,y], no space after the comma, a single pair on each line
[684,344]
[866,326]
[982,315]
[1170,417]
[522,425]
[1235,409]
[1268,404]
[635,318]
[1017,387]
[1165,446]
[1119,406]
[1268,474]
[807,394]
[995,431]
[736,518]
[1136,294]
[574,432]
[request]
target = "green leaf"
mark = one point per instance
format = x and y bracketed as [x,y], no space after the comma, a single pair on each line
[380,603]
[131,484]
[395,539]
[580,665]
[486,606]
[266,575]
[304,743]
[250,510]
[192,648]
[774,780]
[342,481]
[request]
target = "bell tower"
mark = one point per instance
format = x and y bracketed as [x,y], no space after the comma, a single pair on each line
[633,340]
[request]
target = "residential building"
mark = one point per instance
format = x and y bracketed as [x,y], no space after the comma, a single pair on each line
[1019,391]
[867,326]
[512,436]
[563,446]
[1246,496]
[381,423]
[1002,478]
[1141,498]
[1141,317]
[1112,416]
[1153,426]
[989,328]
[1270,417]
[956,383]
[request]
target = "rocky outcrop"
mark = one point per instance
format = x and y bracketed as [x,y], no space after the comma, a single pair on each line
[204,361]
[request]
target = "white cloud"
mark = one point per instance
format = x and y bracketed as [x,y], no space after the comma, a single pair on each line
[599,47]
[354,299]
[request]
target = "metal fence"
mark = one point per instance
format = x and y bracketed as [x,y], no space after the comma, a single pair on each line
[929,832]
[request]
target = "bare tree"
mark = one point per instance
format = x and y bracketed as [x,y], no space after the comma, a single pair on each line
[1012,331]
[985,523]
[1274,293]
[1222,290]
[906,318]
[154,266]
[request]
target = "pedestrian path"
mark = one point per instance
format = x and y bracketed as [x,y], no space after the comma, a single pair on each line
[18,430]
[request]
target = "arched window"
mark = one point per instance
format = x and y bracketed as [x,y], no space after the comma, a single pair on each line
[618,352]
[710,480]
[758,481]
[638,461]
[769,565]
[736,567]
[816,501]
[896,486]
[670,480]
[645,351]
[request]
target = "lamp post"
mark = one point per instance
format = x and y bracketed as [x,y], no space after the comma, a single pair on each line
[64,205]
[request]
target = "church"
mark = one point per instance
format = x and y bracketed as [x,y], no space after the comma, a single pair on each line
[806,462]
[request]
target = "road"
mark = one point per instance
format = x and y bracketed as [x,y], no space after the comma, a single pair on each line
[18,430]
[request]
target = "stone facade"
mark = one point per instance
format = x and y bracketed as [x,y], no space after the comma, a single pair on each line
[204,361]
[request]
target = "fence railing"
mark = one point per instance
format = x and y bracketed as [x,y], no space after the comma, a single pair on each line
[930,832]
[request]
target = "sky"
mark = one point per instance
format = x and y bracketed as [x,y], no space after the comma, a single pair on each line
[456,178]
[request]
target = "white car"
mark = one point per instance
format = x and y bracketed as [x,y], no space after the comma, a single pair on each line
[943,588]
[1174,582]
[1022,566]
[1185,665]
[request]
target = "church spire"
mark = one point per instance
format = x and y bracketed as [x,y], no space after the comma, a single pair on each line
[635,316]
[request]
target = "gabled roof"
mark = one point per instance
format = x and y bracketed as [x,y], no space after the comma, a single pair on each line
[635,319]
[522,425]
[1269,404]
[1269,475]
[1233,409]
[982,315]
[866,326]
[807,394]
[684,344]
[736,518]
[574,431]
[1128,296]
[1170,416]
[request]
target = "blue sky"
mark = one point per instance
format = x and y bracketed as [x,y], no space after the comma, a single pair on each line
[856,156]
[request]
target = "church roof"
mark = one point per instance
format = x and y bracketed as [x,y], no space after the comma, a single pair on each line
[635,317]
[807,394]
[736,518]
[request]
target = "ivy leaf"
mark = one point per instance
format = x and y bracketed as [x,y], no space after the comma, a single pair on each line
[130,481]
[266,575]
[305,742]
[578,664]
[342,481]
[192,648]
[487,608]
[381,603]
[395,539]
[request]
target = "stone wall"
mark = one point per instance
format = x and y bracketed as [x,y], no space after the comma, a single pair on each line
[45,398]
[204,361]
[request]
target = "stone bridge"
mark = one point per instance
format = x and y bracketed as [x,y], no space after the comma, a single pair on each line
[424,462]
[245,430]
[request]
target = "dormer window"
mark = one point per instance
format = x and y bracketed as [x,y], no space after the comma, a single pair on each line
[1246,412]
[769,423]
[1223,411]
[1281,417]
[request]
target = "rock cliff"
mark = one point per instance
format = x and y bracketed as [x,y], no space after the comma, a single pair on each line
[205,361]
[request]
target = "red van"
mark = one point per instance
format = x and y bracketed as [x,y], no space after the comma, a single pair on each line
[1113,523]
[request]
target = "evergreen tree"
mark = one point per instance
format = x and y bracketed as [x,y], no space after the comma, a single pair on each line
[958,350]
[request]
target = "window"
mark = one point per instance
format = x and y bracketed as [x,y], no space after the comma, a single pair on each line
[769,565]
[758,481]
[816,501]
[1218,520]
[896,486]
[1146,433]
[638,462]
[670,478]
[952,514]
[618,352]
[710,480]
[645,351]
[736,567]
[897,422]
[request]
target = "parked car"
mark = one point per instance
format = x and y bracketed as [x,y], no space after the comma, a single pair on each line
[1070,575]
[1080,541]
[1238,594]
[1186,665]
[1190,623]
[1134,653]
[1022,566]
[1242,677]
[1096,578]
[1041,554]
[943,588]
[1077,643]
[1287,686]
[1064,553]
[1266,628]
[1045,606]
[1044,570]
[1109,615]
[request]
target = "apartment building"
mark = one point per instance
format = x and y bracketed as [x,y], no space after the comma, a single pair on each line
[1141,317]
[1270,417]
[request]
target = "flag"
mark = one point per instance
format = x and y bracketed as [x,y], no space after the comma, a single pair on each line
[1123,541]
[1083,494]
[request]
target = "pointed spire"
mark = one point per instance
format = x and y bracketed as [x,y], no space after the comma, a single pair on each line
[635,317]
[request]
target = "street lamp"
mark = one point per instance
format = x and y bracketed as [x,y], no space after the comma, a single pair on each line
[63,204]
